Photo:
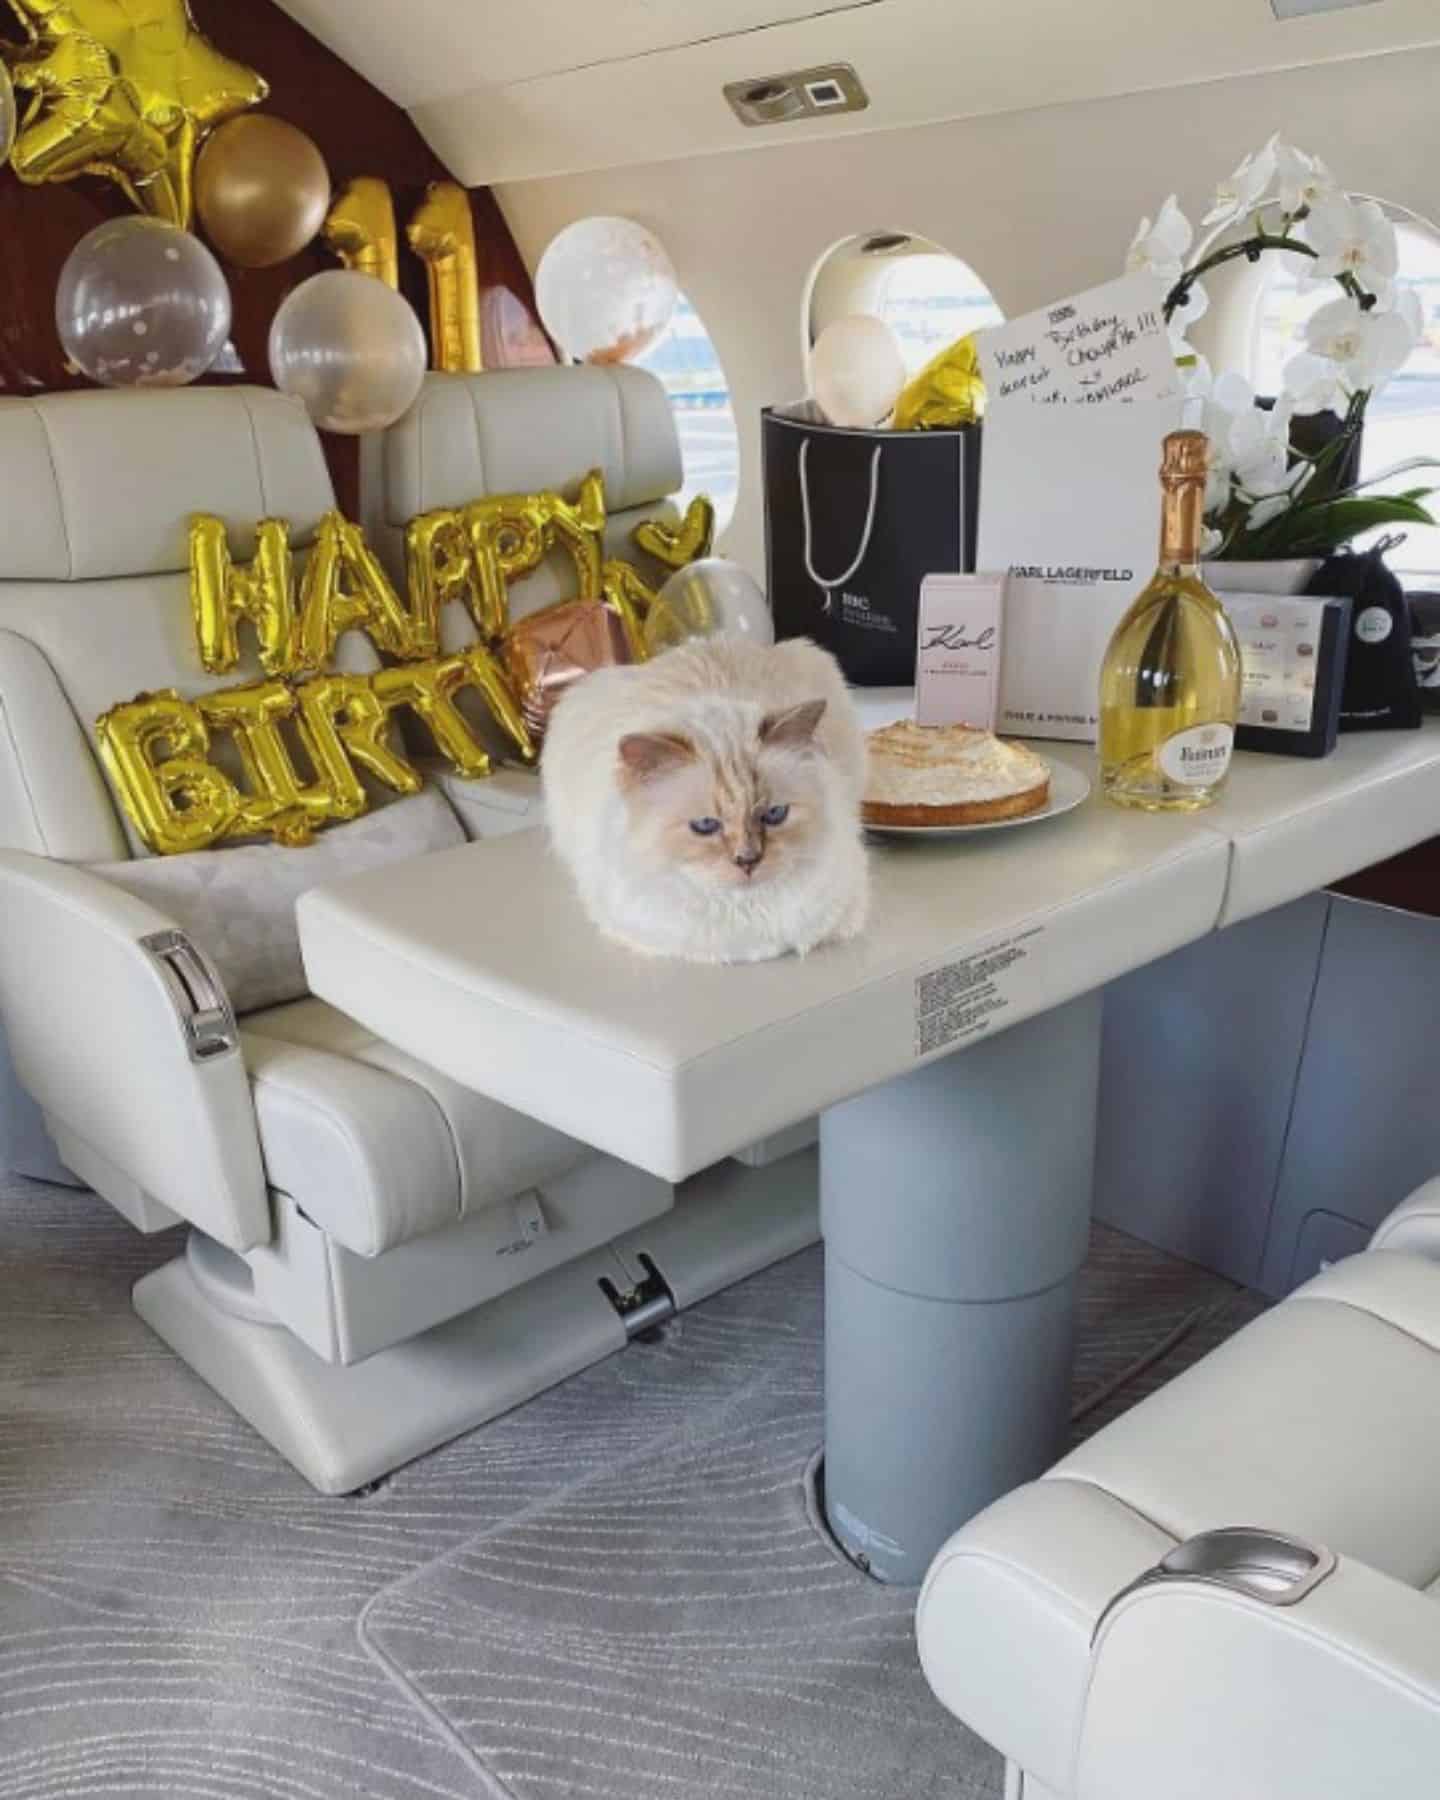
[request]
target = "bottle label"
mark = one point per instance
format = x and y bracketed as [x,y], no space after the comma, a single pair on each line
[1198,757]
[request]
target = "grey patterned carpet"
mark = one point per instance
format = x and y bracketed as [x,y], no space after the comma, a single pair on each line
[613,1591]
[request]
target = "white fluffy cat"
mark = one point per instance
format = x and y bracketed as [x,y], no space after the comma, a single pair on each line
[707,803]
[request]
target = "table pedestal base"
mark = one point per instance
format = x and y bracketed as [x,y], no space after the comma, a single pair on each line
[955,1207]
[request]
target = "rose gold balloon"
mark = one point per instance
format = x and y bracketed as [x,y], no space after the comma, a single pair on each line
[261,189]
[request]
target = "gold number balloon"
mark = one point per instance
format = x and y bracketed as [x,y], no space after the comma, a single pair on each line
[442,234]
[126,91]
[360,229]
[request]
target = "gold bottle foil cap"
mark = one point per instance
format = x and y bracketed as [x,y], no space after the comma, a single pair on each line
[1186,456]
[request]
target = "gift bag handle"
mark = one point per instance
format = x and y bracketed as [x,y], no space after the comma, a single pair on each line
[827,588]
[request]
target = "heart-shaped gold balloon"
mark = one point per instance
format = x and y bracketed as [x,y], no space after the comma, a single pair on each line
[676,545]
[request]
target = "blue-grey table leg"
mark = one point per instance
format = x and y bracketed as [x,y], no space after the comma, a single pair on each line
[955,1205]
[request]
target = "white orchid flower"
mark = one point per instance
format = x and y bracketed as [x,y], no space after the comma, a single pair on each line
[1368,346]
[1160,249]
[1312,383]
[1245,189]
[1210,540]
[1350,237]
[1304,181]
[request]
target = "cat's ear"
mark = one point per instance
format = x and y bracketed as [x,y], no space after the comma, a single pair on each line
[646,753]
[794,727]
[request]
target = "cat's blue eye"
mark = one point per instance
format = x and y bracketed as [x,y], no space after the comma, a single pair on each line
[774,815]
[704,827]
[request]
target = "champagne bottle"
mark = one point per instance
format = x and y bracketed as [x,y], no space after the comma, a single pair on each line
[1170,682]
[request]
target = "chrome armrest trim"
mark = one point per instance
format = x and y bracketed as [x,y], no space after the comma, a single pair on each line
[201,1004]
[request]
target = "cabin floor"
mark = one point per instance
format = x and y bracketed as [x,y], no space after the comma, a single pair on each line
[617,1590]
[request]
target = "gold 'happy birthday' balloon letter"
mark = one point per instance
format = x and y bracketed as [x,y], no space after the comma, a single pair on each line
[126,89]
[223,592]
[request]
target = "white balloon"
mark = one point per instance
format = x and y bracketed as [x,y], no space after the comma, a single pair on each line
[141,303]
[856,370]
[605,290]
[710,597]
[351,348]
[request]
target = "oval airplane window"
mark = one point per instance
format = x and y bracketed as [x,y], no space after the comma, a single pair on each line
[1403,420]
[927,296]
[688,363]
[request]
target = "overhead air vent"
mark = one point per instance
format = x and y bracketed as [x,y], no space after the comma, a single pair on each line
[1300,9]
[802,94]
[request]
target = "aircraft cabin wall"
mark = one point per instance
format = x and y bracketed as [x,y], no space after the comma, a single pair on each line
[1039,203]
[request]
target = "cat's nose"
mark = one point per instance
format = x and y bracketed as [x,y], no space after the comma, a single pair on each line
[747,858]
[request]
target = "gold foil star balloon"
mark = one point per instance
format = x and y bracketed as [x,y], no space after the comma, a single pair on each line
[126,89]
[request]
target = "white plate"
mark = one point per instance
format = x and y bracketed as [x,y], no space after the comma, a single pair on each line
[1068,788]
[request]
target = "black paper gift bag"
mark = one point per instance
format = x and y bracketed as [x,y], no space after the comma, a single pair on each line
[854,521]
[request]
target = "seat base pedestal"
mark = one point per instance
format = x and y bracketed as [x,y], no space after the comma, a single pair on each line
[344,1427]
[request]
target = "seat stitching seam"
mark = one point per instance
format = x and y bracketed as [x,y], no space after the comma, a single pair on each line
[259,459]
[24,777]
[59,489]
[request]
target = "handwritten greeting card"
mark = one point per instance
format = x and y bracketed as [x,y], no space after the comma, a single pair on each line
[1107,345]
[957,650]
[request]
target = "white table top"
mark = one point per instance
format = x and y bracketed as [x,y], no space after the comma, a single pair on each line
[479,960]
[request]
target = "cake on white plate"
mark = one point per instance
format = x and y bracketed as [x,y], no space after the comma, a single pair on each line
[950,775]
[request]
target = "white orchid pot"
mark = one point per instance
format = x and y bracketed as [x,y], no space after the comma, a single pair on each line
[1278,575]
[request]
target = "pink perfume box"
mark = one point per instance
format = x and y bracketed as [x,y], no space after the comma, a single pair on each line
[957,650]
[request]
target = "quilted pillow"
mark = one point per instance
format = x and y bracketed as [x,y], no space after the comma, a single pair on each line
[238,905]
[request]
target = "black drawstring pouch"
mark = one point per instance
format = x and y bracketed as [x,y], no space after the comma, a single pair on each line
[1381,693]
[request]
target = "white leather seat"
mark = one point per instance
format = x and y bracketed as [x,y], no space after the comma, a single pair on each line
[1321,1421]
[378,1146]
[359,1196]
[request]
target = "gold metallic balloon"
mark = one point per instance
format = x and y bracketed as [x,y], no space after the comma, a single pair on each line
[278,802]
[510,534]
[632,599]
[126,91]
[262,592]
[346,589]
[262,190]
[442,234]
[439,569]
[676,545]
[155,751]
[949,391]
[342,717]
[360,229]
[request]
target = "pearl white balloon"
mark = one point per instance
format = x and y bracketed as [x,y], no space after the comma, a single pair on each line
[856,370]
[141,303]
[709,597]
[605,290]
[351,348]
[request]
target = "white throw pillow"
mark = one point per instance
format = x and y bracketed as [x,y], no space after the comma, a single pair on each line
[238,905]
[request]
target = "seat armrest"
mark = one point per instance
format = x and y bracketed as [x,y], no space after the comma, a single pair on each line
[1197,1691]
[113,1032]
[1414,1225]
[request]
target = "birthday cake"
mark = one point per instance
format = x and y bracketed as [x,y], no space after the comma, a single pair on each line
[949,775]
